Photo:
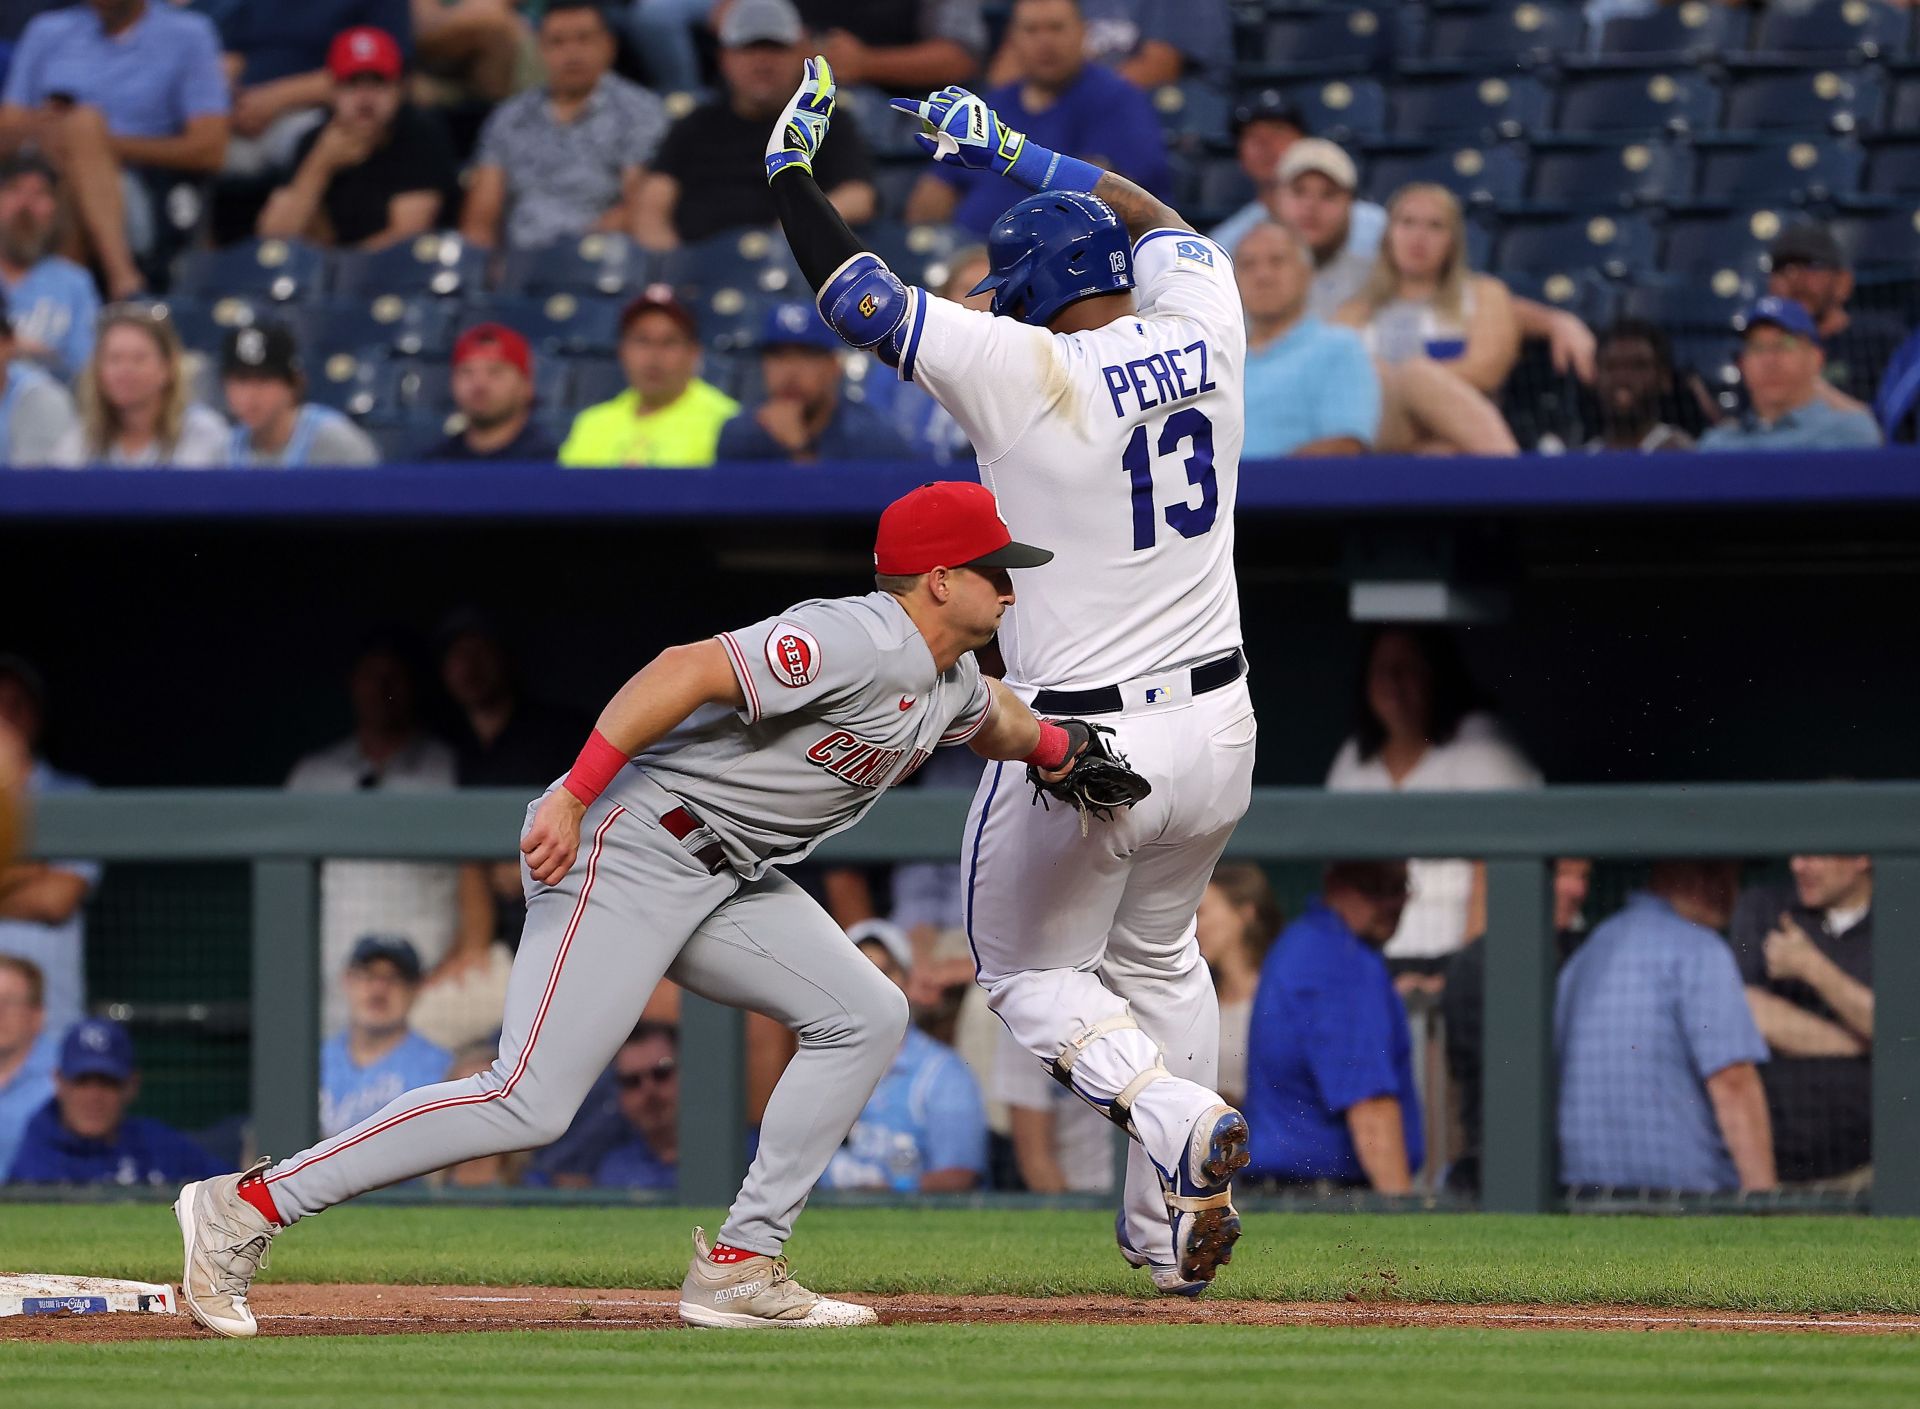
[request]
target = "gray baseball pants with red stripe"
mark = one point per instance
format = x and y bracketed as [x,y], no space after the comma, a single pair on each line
[637,906]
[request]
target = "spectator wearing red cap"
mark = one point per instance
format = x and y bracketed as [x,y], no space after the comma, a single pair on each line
[805,416]
[493,389]
[108,91]
[668,418]
[380,171]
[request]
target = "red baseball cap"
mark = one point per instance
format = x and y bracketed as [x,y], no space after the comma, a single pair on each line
[363,50]
[494,340]
[658,298]
[950,523]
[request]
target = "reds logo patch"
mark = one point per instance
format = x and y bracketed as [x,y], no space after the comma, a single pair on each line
[792,655]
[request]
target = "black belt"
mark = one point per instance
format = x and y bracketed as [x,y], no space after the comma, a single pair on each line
[1214,675]
[681,824]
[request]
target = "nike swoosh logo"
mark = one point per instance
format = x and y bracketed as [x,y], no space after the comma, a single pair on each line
[906,703]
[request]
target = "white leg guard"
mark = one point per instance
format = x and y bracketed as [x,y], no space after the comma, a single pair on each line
[1086,1034]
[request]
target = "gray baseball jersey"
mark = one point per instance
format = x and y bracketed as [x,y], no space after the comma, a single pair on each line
[842,701]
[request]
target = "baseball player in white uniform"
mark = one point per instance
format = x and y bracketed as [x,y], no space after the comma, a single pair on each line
[657,856]
[1103,396]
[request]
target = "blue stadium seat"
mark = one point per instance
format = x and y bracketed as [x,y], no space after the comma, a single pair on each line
[730,320]
[1881,240]
[1479,176]
[1611,175]
[557,323]
[1613,244]
[602,265]
[750,261]
[592,380]
[418,388]
[1515,30]
[359,386]
[203,323]
[1842,31]
[1220,188]
[1712,356]
[1585,294]
[1470,109]
[1694,29]
[1800,171]
[1192,113]
[1330,40]
[387,323]
[1698,243]
[1682,305]
[1345,110]
[1641,102]
[917,253]
[1903,108]
[1893,168]
[279,271]
[1825,101]
[444,265]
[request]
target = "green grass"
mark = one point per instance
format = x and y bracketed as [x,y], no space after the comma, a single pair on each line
[997,1367]
[1766,1264]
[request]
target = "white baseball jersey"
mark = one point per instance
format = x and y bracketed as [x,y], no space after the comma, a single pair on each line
[1119,449]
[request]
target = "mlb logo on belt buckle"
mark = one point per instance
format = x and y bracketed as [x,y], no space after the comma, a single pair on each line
[1155,695]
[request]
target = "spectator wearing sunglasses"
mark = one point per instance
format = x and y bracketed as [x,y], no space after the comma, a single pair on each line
[646,1078]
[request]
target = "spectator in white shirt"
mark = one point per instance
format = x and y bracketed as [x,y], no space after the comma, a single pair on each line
[1238,919]
[387,751]
[1420,726]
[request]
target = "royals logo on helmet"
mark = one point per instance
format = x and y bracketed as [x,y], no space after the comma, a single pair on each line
[793,656]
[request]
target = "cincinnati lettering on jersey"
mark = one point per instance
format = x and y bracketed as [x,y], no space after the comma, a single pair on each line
[1158,379]
[863,764]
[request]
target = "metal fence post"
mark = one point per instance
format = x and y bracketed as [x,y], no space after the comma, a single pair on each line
[713,1101]
[285,1041]
[1896,1035]
[1517,1101]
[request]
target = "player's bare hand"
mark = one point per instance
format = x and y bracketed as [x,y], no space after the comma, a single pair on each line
[1571,343]
[553,838]
[1789,952]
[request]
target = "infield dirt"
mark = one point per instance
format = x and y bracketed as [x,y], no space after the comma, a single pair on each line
[290,1309]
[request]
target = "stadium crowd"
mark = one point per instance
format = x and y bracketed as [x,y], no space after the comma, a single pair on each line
[529,230]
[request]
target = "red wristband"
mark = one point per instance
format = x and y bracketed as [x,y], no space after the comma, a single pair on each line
[1052,749]
[598,765]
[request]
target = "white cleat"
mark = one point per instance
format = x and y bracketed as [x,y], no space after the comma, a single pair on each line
[226,1245]
[1166,1277]
[757,1294]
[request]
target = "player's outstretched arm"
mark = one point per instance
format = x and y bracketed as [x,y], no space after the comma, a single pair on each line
[1014,734]
[647,708]
[957,128]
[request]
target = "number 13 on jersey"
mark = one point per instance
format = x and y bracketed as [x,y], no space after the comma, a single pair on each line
[1191,427]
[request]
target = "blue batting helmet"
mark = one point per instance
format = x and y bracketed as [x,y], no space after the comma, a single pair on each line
[1054,248]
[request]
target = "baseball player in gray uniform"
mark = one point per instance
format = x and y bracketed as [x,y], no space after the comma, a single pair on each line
[658,855]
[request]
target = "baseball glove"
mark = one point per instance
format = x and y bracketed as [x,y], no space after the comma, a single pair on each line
[1098,783]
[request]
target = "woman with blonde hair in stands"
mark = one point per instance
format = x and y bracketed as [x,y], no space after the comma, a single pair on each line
[136,399]
[1422,298]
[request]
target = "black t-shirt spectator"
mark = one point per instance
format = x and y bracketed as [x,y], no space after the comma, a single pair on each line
[418,156]
[719,159]
[532,444]
[1822,1107]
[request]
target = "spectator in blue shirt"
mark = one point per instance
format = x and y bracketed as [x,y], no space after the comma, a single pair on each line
[1658,1053]
[84,1134]
[40,901]
[1311,387]
[924,1130]
[109,89]
[1062,101]
[1147,42]
[26,1055]
[1330,1093]
[376,1056]
[1780,362]
[646,1080]
[51,301]
[805,416]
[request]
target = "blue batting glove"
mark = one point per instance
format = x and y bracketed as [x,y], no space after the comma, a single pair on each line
[959,129]
[802,125]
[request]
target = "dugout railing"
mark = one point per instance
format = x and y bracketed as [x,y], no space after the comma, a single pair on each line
[284,837]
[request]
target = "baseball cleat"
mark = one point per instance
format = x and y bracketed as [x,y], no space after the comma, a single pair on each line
[757,1294]
[1166,1277]
[1200,1194]
[226,1245]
